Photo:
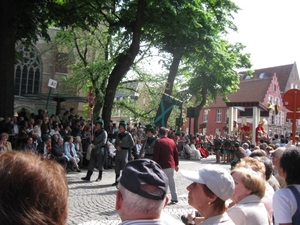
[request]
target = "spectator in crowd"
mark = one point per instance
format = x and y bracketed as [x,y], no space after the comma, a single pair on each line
[211,188]
[45,127]
[249,189]
[59,153]
[142,193]
[79,149]
[30,146]
[166,155]
[4,144]
[37,130]
[32,191]
[276,156]
[44,148]
[286,201]
[70,152]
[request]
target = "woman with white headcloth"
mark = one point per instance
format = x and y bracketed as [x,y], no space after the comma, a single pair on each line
[210,189]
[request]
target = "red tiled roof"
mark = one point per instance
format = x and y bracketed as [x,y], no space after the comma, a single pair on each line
[252,90]
[282,73]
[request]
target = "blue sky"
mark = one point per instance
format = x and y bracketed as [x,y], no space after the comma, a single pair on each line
[271,31]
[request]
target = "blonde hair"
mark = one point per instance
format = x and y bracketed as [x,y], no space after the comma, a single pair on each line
[253,175]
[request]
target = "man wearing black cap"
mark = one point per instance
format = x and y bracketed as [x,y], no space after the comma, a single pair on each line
[142,194]
[97,154]
[124,144]
[166,155]
[149,143]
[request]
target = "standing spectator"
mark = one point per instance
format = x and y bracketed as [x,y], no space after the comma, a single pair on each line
[45,127]
[166,155]
[70,152]
[286,201]
[124,143]
[142,194]
[250,187]
[65,118]
[34,191]
[275,157]
[97,154]
[76,128]
[211,188]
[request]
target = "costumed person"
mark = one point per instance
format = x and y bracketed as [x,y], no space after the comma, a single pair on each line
[124,143]
[235,128]
[97,151]
[148,145]
[217,146]
[260,131]
[227,145]
[245,130]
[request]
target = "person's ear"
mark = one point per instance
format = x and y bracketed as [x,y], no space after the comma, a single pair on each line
[119,200]
[166,201]
[212,199]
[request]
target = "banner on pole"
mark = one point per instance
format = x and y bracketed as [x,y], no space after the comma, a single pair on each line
[166,105]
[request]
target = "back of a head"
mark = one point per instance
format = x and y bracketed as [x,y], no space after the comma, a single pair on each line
[290,163]
[33,191]
[162,131]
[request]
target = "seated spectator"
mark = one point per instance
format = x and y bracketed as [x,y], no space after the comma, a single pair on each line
[142,193]
[71,154]
[193,153]
[32,191]
[79,150]
[4,144]
[286,200]
[30,146]
[44,148]
[59,153]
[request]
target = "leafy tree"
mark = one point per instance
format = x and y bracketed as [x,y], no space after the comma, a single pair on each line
[214,74]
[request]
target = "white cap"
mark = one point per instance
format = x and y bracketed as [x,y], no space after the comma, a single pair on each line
[217,179]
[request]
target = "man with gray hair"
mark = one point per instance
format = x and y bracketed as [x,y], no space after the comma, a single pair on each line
[142,194]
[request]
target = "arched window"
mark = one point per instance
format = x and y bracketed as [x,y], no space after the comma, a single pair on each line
[27,71]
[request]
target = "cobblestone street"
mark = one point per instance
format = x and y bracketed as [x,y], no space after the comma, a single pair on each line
[93,203]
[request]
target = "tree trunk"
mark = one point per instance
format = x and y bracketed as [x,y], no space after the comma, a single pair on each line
[7,58]
[172,74]
[125,60]
[198,109]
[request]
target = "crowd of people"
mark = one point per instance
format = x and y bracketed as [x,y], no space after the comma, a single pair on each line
[261,185]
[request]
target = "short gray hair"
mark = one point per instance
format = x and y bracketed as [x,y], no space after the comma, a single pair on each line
[137,203]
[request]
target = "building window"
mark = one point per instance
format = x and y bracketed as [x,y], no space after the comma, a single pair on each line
[271,99]
[219,116]
[226,116]
[205,115]
[292,85]
[261,75]
[274,88]
[27,71]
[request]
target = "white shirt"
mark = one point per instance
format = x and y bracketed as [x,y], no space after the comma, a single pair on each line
[284,205]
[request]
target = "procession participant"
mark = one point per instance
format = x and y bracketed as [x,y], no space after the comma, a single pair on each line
[124,143]
[148,145]
[227,145]
[217,147]
[97,153]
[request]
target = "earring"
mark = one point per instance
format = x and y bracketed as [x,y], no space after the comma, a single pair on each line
[209,203]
